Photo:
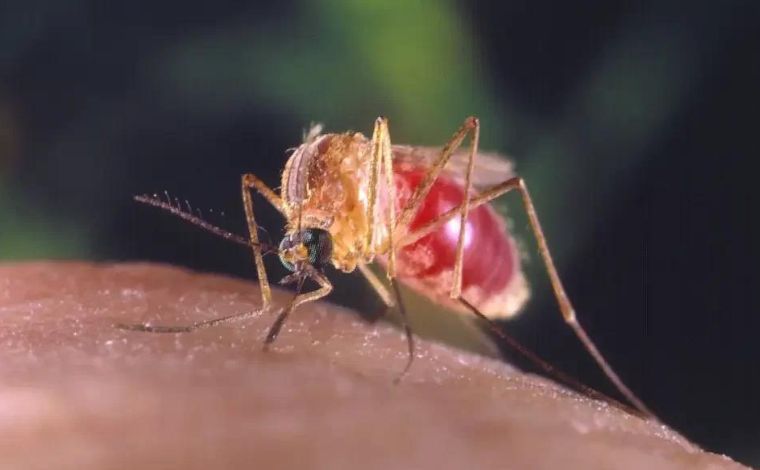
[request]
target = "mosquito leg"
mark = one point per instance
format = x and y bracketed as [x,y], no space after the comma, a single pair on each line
[188,328]
[381,162]
[415,201]
[456,288]
[440,220]
[377,284]
[299,299]
[471,124]
[374,173]
[383,147]
[389,301]
[565,306]
[390,187]
[274,330]
[534,358]
[378,145]
[250,181]
[407,331]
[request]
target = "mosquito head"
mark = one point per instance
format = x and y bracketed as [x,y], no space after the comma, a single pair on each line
[311,245]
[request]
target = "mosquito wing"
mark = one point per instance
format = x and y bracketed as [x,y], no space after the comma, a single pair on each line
[490,168]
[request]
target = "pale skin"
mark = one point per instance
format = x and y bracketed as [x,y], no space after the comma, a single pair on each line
[76,393]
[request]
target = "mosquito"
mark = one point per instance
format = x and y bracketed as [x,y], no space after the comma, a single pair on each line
[421,214]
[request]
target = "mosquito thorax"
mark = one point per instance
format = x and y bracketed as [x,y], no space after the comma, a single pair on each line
[311,245]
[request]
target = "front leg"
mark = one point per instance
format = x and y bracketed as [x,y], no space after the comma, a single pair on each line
[381,161]
[325,288]
[249,181]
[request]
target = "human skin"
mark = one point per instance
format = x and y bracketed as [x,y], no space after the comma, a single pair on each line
[76,392]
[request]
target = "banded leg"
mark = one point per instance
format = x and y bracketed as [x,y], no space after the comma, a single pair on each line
[565,306]
[471,124]
[250,181]
[383,293]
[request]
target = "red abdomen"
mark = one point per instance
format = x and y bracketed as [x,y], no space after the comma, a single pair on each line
[491,276]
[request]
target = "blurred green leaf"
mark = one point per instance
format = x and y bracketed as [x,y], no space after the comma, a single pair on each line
[343,63]
[28,233]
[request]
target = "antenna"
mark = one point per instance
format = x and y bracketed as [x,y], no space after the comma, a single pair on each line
[176,210]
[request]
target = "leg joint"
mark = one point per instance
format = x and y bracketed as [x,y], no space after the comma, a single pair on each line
[472,122]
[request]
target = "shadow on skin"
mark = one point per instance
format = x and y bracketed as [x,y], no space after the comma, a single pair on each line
[75,392]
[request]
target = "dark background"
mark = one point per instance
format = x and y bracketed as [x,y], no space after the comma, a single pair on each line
[634,123]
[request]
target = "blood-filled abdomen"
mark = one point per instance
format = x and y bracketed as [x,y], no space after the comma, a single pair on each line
[491,276]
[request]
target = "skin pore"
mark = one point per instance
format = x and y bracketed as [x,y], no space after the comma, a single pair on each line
[75,392]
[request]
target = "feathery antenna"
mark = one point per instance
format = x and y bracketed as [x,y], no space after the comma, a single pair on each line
[175,208]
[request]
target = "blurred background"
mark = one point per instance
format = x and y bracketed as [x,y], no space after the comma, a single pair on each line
[634,124]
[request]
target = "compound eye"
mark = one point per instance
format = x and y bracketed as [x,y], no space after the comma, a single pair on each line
[319,245]
[287,253]
[313,246]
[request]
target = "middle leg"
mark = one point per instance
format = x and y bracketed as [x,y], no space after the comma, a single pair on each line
[383,293]
[471,125]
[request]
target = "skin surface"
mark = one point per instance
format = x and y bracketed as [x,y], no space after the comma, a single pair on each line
[75,392]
